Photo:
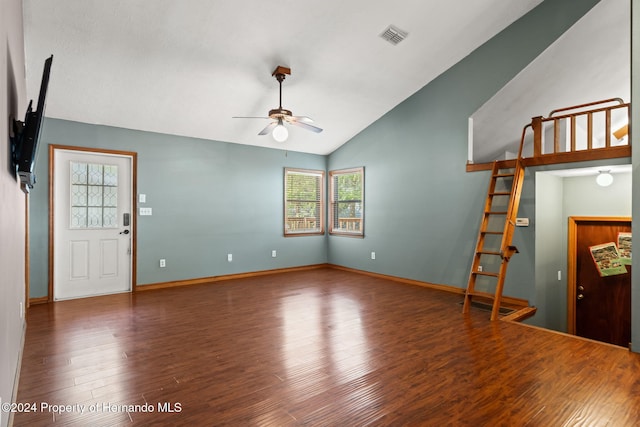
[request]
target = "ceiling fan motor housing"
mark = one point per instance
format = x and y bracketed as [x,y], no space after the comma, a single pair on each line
[278,113]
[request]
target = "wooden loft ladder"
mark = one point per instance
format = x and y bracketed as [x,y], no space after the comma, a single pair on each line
[556,139]
[494,245]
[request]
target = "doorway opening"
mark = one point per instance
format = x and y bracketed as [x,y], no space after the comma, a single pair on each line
[559,195]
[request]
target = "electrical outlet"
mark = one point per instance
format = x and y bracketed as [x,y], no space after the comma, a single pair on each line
[479,268]
[273,253]
[373,255]
[229,257]
[163,263]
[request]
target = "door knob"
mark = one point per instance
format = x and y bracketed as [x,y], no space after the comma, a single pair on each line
[581,288]
[580,296]
[124,232]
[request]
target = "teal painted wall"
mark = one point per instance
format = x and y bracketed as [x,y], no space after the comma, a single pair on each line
[550,253]
[208,198]
[422,211]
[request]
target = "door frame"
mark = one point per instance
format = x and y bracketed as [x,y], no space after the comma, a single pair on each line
[572,253]
[134,206]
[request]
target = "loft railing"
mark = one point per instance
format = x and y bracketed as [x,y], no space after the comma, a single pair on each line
[593,131]
[587,130]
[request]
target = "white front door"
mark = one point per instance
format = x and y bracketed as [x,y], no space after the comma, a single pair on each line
[92,223]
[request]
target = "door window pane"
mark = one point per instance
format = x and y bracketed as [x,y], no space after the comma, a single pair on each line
[94,195]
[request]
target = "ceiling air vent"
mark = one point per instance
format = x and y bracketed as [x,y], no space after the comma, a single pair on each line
[394,35]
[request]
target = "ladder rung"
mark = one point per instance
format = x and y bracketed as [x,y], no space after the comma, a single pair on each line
[492,232]
[488,253]
[496,212]
[481,294]
[486,273]
[500,193]
[503,175]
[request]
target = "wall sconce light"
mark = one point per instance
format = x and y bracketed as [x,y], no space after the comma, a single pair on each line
[604,178]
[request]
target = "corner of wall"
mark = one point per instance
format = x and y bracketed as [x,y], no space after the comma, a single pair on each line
[12,205]
[635,123]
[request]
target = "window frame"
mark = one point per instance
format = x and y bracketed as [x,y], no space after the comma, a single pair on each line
[333,230]
[321,200]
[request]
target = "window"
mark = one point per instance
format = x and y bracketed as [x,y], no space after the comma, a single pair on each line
[347,202]
[94,195]
[303,202]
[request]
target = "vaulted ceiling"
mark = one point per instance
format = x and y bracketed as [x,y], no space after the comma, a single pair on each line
[186,68]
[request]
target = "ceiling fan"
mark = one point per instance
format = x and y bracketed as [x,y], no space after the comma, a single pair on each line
[280,116]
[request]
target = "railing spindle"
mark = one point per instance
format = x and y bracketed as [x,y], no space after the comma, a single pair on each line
[556,135]
[589,131]
[573,133]
[536,124]
[607,129]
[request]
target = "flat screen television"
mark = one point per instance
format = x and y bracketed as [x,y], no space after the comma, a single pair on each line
[26,135]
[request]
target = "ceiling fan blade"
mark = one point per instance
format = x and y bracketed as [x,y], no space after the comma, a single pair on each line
[268,129]
[303,119]
[306,126]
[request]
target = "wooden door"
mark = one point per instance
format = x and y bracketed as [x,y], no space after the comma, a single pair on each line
[601,305]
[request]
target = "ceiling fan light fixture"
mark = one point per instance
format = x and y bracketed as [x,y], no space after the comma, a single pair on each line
[279,115]
[604,178]
[280,133]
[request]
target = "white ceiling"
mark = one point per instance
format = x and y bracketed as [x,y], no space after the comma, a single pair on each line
[186,67]
[593,170]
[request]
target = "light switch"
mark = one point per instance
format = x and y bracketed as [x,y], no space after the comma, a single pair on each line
[145,211]
[142,198]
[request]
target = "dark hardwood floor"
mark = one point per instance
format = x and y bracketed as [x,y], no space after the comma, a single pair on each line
[312,348]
